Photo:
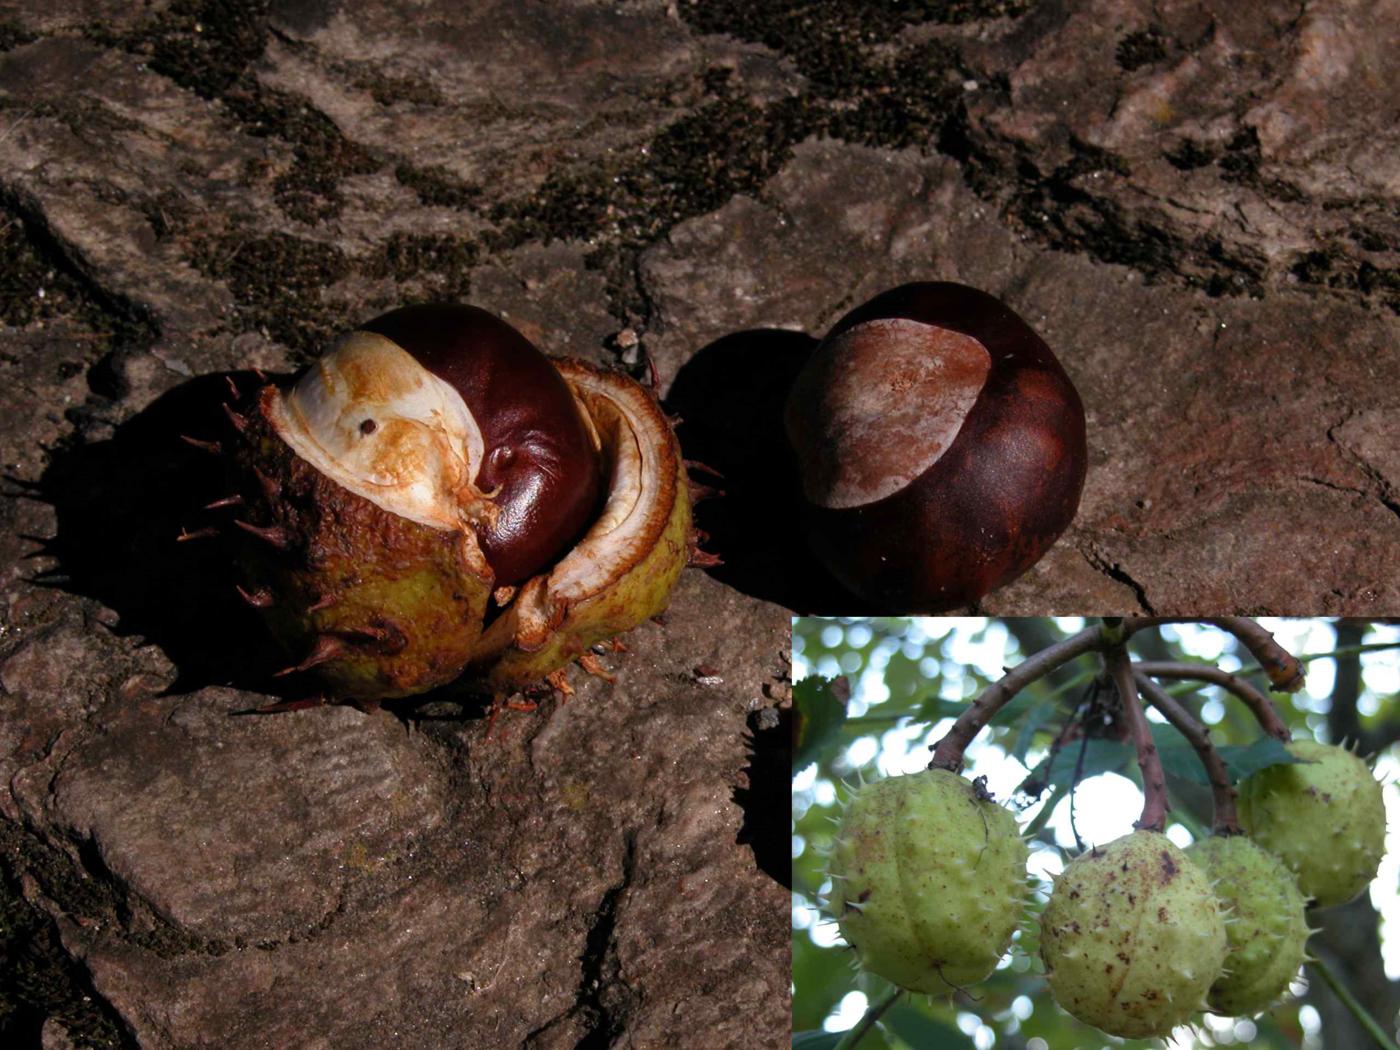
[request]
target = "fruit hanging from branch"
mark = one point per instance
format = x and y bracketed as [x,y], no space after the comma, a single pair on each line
[928,877]
[1133,937]
[1138,935]
[1267,930]
[1324,817]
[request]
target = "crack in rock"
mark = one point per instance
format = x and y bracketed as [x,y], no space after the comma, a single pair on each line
[599,965]
[1381,488]
[1115,571]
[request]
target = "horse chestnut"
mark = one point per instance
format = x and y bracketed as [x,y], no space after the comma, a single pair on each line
[436,495]
[940,445]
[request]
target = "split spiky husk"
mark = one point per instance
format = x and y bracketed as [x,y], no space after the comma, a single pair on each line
[393,606]
[382,606]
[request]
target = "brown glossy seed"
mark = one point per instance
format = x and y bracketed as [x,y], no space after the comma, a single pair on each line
[539,466]
[941,448]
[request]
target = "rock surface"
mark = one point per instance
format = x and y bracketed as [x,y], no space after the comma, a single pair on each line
[1193,203]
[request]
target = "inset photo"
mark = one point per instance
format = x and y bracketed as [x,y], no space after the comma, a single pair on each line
[1052,833]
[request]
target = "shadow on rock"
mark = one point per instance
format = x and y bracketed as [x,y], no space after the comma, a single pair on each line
[121,505]
[767,801]
[730,399]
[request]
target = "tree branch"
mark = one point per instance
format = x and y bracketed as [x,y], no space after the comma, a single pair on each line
[948,753]
[1284,671]
[1226,819]
[873,1013]
[1154,782]
[1264,711]
[1363,1017]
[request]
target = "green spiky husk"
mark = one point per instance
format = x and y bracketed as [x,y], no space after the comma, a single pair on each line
[404,598]
[1324,818]
[640,593]
[630,593]
[1268,933]
[1132,937]
[928,881]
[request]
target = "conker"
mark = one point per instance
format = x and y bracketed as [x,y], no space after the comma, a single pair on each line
[435,495]
[537,461]
[940,446]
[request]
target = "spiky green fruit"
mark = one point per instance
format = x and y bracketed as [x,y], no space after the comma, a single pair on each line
[1132,937]
[929,880]
[1324,818]
[1266,929]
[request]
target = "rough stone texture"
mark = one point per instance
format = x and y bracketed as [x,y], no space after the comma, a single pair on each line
[1194,203]
[331,878]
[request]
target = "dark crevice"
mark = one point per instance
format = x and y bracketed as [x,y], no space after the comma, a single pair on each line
[1115,572]
[39,979]
[1141,48]
[1334,266]
[42,278]
[1061,213]
[279,282]
[858,86]
[764,800]
[127,324]
[15,34]
[209,47]
[1332,486]
[689,168]
[89,890]
[597,1001]
[1382,490]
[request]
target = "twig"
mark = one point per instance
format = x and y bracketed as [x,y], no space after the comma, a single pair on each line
[1226,820]
[1264,711]
[1349,650]
[948,753]
[1154,782]
[1358,1011]
[1040,819]
[1073,784]
[872,1014]
[1284,671]
[1036,782]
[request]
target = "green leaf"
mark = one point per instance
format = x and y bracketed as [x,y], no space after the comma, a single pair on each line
[1265,752]
[932,708]
[1100,756]
[821,712]
[920,1030]
[815,1040]
[904,678]
[1036,719]
[823,976]
[1179,758]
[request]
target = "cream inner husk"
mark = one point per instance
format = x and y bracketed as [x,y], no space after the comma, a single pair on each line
[603,551]
[375,421]
[635,446]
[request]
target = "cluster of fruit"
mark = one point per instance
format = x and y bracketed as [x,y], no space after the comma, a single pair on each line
[929,885]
